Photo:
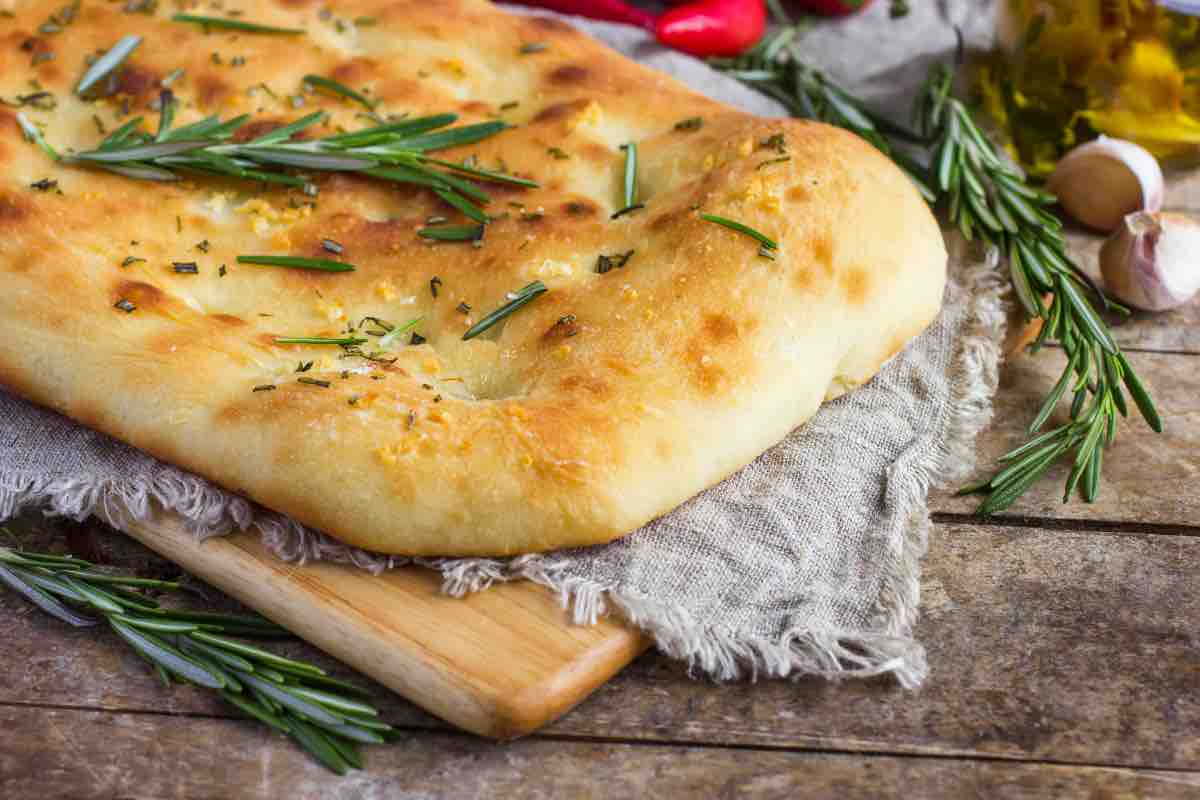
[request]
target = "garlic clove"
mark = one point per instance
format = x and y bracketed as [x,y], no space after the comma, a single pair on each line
[1153,261]
[1100,182]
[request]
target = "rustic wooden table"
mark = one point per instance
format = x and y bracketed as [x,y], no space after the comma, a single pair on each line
[1063,642]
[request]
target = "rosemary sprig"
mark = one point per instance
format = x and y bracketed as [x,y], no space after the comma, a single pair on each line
[987,198]
[516,300]
[233,24]
[322,714]
[298,262]
[394,151]
[330,85]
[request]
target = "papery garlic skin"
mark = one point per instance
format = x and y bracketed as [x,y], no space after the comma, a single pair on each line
[1153,261]
[1101,182]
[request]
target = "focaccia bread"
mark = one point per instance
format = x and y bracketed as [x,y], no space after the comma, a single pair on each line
[630,385]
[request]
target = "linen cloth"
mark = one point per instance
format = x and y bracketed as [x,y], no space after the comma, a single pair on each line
[806,561]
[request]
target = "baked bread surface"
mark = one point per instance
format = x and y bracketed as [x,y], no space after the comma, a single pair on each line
[605,402]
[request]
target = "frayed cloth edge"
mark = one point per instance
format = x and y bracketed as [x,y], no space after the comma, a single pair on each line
[802,649]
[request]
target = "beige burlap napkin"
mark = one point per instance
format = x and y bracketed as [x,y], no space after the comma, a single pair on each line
[806,561]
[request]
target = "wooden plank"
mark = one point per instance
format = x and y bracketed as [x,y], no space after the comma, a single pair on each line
[500,663]
[1175,331]
[1048,645]
[1147,476]
[88,754]
[1042,644]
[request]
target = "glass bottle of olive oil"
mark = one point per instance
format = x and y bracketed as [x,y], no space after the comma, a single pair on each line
[1067,70]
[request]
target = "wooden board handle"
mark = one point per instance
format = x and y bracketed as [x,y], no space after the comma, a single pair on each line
[499,663]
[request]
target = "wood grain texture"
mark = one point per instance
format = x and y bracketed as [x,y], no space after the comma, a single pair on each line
[1078,647]
[1148,477]
[1174,331]
[499,663]
[1045,645]
[66,753]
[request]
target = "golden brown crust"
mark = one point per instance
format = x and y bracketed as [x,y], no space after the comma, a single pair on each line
[604,403]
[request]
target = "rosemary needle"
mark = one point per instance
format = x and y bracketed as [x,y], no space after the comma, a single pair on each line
[108,62]
[298,262]
[348,341]
[763,239]
[32,134]
[627,210]
[462,204]
[453,233]
[329,84]
[233,24]
[631,168]
[395,333]
[520,298]
[484,174]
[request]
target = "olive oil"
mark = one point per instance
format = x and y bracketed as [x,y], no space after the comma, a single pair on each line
[1065,71]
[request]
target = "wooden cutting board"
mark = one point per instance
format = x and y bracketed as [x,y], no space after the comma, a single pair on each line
[499,663]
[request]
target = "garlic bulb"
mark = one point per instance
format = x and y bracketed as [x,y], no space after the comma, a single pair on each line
[1100,182]
[1153,260]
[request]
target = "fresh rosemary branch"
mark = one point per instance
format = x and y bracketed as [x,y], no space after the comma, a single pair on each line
[394,151]
[987,198]
[321,713]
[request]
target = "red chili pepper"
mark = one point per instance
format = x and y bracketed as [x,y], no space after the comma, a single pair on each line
[608,10]
[713,27]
